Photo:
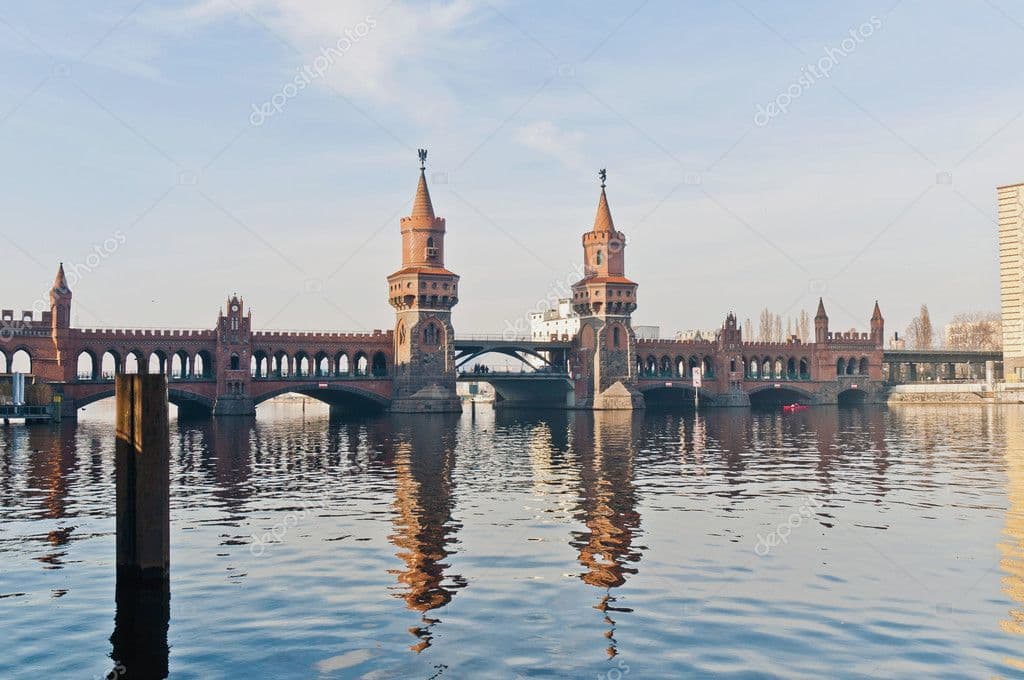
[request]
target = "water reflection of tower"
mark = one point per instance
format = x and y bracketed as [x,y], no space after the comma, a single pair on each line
[607,506]
[52,464]
[1012,547]
[424,459]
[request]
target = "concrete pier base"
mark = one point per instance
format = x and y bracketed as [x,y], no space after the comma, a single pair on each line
[430,399]
[618,397]
[234,405]
[142,472]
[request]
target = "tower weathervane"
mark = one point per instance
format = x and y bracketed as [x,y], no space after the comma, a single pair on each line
[603,174]
[423,158]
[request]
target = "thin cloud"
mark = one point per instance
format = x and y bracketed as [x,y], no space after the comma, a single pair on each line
[545,137]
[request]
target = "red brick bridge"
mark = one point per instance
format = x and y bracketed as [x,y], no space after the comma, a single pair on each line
[231,368]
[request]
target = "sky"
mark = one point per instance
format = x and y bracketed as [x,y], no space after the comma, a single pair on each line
[759,154]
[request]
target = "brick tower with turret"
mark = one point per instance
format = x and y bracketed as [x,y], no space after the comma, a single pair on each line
[605,361]
[232,362]
[423,293]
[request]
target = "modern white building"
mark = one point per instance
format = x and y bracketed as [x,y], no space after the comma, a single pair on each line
[647,332]
[696,334]
[1011,278]
[559,322]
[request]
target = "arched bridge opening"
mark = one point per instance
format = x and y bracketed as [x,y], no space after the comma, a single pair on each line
[189,405]
[777,397]
[341,398]
[673,398]
[852,397]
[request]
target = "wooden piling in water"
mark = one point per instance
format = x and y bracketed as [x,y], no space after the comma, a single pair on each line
[142,471]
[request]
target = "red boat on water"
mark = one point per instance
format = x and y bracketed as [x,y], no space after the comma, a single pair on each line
[794,408]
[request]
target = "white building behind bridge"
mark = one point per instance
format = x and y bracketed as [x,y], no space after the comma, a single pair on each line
[559,322]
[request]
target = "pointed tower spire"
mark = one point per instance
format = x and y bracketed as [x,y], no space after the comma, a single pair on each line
[60,301]
[821,323]
[421,205]
[603,220]
[60,282]
[878,326]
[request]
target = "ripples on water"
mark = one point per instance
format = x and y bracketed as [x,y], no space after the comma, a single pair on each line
[831,543]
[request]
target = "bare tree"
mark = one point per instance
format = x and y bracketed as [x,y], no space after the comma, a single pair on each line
[920,334]
[975,331]
[764,333]
[803,326]
[776,328]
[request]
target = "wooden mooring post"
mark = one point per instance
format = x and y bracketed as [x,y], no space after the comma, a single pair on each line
[142,470]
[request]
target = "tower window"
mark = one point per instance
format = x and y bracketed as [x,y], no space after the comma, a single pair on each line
[616,339]
[431,336]
[600,258]
[431,250]
[234,362]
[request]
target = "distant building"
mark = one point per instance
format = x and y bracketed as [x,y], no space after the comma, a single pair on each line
[897,342]
[1011,279]
[647,332]
[696,335]
[559,322]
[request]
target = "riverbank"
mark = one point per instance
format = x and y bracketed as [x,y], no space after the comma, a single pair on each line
[957,393]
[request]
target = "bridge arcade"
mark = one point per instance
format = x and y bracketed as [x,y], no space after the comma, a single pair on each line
[231,368]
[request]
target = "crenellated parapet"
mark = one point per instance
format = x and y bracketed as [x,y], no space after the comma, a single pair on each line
[377,336]
[142,333]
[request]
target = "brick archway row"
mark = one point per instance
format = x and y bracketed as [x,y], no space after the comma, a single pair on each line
[267,363]
[177,362]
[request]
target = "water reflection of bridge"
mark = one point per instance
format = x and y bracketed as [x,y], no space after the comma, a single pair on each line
[593,469]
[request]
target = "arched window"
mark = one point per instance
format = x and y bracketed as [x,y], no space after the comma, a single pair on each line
[430,241]
[86,369]
[431,336]
[600,258]
[616,339]
[380,365]
[234,362]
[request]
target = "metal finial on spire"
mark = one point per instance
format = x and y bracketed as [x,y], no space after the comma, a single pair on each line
[423,159]
[603,174]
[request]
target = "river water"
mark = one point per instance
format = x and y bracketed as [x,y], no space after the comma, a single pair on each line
[848,543]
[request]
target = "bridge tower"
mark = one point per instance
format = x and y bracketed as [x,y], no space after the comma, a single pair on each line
[423,293]
[64,364]
[232,361]
[878,327]
[821,324]
[605,362]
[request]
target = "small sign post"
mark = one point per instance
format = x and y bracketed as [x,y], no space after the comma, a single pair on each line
[697,381]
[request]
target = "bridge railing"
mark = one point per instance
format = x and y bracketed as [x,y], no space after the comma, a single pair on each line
[322,376]
[510,371]
[494,337]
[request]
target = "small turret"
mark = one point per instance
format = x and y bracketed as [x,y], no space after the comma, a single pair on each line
[821,323]
[877,326]
[60,301]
